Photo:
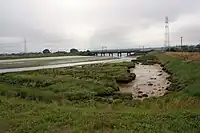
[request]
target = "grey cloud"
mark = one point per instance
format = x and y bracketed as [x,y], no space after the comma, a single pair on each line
[112,37]
[190,34]
[48,23]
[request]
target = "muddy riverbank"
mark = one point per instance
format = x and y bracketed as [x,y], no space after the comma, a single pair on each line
[151,81]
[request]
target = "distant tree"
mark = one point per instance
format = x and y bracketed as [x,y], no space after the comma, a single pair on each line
[172,50]
[198,46]
[73,50]
[46,51]
[60,52]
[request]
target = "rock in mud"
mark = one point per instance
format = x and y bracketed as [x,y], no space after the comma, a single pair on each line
[150,84]
[140,92]
[162,65]
[160,74]
[159,90]
[139,96]
[144,95]
[132,76]
[152,92]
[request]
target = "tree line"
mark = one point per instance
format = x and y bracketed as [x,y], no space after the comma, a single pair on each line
[184,48]
[73,51]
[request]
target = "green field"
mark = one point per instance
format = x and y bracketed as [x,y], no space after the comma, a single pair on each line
[84,100]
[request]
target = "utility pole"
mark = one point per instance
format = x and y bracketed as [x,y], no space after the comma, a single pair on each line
[25,47]
[167,39]
[181,42]
[104,47]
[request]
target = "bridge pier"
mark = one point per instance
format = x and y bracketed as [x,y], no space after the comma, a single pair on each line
[119,54]
[110,54]
[103,54]
[128,53]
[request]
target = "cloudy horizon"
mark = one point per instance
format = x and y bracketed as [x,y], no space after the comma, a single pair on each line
[91,24]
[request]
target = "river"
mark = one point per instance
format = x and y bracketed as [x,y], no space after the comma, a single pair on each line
[151,81]
[20,65]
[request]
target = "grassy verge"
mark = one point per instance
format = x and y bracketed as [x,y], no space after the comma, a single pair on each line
[175,112]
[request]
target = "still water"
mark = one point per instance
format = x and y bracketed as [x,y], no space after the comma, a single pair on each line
[57,63]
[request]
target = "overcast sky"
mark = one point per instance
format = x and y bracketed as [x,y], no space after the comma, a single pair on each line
[91,24]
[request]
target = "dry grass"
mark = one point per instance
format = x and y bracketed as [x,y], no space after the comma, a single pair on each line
[185,55]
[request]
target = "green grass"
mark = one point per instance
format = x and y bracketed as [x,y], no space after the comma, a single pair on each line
[25,116]
[73,83]
[176,112]
[147,59]
[186,74]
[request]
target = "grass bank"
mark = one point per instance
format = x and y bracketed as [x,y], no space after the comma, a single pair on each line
[177,111]
[185,74]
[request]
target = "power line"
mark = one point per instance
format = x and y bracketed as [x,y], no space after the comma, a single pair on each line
[167,39]
[181,42]
[25,47]
[23,43]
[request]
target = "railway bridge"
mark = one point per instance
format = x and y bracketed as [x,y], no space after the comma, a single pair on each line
[119,52]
